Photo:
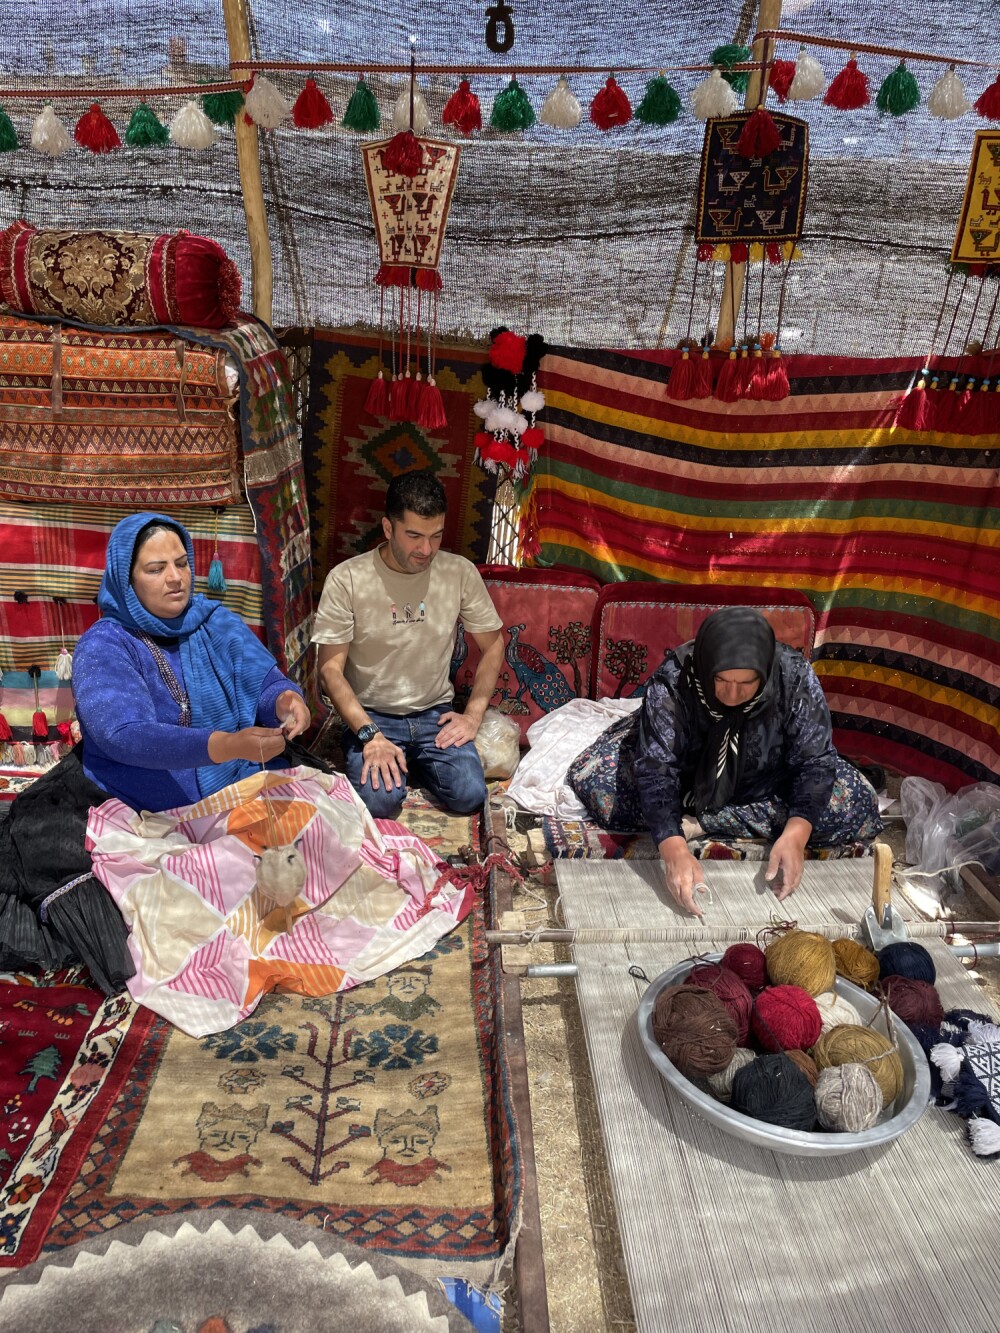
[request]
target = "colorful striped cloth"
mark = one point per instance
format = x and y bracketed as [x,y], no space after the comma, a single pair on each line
[892,533]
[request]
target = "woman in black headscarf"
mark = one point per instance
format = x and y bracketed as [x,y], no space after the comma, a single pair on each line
[735,730]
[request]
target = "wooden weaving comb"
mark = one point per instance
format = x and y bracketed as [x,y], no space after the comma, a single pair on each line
[881,923]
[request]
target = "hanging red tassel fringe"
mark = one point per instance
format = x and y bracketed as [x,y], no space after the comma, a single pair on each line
[744,372]
[430,412]
[533,439]
[773,252]
[393,275]
[776,386]
[988,101]
[65,730]
[739,252]
[760,135]
[94,131]
[5,732]
[377,402]
[311,110]
[610,107]
[39,725]
[702,385]
[915,409]
[849,90]
[780,78]
[757,378]
[397,399]
[727,385]
[413,393]
[462,109]
[981,416]
[427,279]
[681,379]
[403,154]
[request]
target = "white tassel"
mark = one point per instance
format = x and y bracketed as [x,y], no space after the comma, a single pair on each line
[561,108]
[520,424]
[947,100]
[984,1034]
[809,80]
[984,1136]
[49,134]
[533,401]
[191,128]
[265,105]
[64,664]
[501,418]
[948,1059]
[28,750]
[483,408]
[713,97]
[401,111]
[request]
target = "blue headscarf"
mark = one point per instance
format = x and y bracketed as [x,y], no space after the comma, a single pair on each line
[224,664]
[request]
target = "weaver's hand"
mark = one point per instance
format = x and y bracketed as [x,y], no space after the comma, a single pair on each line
[683,872]
[294,713]
[382,763]
[784,868]
[456,729]
[256,744]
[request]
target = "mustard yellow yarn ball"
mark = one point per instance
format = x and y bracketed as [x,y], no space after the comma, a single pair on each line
[802,959]
[848,1044]
[856,963]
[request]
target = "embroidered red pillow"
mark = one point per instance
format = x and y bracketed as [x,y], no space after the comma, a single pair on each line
[118,278]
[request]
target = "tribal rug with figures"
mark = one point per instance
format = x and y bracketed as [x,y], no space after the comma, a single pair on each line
[380,1115]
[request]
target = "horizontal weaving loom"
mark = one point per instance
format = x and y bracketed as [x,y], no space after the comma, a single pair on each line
[891,533]
[718,1233]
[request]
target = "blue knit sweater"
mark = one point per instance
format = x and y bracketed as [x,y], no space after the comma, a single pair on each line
[132,745]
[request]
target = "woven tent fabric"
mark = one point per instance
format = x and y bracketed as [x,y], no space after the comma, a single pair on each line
[350,456]
[593,242]
[892,534]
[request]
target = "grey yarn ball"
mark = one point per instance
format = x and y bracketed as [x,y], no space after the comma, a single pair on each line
[848,1098]
[722,1084]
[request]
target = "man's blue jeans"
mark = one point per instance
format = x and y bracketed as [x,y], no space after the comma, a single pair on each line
[453,776]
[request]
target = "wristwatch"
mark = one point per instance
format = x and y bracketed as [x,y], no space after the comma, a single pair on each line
[367,732]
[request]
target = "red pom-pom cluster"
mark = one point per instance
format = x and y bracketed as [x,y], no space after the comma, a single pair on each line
[507,352]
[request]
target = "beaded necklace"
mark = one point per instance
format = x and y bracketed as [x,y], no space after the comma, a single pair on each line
[168,677]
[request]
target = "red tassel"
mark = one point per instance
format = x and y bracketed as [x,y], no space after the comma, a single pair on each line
[427,279]
[412,394]
[610,107]
[744,373]
[95,131]
[462,109]
[727,385]
[681,380]
[988,101]
[39,726]
[776,386]
[981,416]
[397,399]
[430,413]
[403,155]
[780,78]
[393,275]
[65,730]
[849,90]
[914,410]
[482,442]
[739,252]
[533,439]
[702,385]
[757,379]
[507,352]
[311,110]
[377,402]
[760,135]
[773,252]
[5,732]
[499,451]
[706,251]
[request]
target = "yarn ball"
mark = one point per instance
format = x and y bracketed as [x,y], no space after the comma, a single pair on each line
[722,1084]
[749,964]
[694,1030]
[906,959]
[775,1090]
[915,1002]
[848,1098]
[856,963]
[800,958]
[730,990]
[848,1044]
[806,1063]
[783,1017]
[835,1011]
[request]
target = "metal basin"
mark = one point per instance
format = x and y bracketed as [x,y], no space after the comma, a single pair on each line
[896,1119]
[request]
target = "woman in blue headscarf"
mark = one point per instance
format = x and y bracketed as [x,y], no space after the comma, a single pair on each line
[176,699]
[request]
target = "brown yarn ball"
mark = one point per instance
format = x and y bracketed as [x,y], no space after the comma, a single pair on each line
[806,1063]
[913,1001]
[800,958]
[730,990]
[856,963]
[848,1044]
[694,1030]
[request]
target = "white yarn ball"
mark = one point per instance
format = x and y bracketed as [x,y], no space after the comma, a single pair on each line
[834,1010]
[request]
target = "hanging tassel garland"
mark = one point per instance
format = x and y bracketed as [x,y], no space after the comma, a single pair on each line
[511,109]
[849,90]
[222,108]
[610,107]
[377,401]
[947,99]
[145,129]
[661,103]
[561,109]
[265,105]
[728,55]
[780,78]
[94,131]
[988,102]
[362,114]
[311,110]
[713,97]
[49,135]
[760,136]
[462,110]
[191,128]
[8,135]
[401,111]
[809,79]
[899,92]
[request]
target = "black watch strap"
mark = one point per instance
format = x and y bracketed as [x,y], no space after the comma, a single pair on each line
[367,732]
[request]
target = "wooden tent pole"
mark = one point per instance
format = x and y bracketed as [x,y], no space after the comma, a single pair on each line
[768,19]
[248,160]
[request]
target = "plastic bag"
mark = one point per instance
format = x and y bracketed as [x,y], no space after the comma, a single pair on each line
[943,830]
[498,742]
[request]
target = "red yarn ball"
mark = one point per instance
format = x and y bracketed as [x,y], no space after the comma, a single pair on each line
[913,1001]
[785,1018]
[730,990]
[749,964]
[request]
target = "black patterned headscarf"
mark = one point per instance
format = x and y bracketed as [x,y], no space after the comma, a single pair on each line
[734,638]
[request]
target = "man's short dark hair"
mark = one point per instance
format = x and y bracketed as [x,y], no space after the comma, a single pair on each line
[419,491]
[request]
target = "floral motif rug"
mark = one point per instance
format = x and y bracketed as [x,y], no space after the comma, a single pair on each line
[379,1115]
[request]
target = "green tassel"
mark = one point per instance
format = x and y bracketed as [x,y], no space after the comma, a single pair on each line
[661,104]
[362,113]
[731,54]
[216,578]
[145,129]
[8,135]
[512,110]
[899,92]
[222,108]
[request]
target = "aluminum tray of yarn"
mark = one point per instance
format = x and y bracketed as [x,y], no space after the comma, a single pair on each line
[895,1120]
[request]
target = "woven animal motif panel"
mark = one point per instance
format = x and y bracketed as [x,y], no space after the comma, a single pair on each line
[977,237]
[411,212]
[891,533]
[752,198]
[114,417]
[547,651]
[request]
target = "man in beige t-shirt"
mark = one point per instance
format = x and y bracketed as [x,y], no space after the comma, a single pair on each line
[386,633]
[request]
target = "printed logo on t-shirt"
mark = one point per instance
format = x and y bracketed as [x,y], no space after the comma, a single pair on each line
[406,616]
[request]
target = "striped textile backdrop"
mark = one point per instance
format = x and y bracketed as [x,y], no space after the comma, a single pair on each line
[892,533]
